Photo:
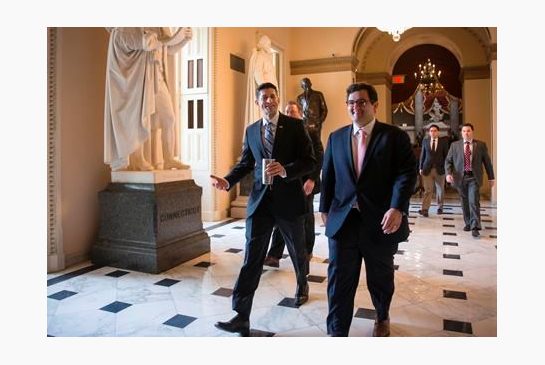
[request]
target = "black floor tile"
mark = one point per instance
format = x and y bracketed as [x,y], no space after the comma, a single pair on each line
[284,255]
[233,250]
[316,278]
[493,236]
[117,273]
[485,215]
[449,234]
[396,267]
[490,227]
[217,235]
[167,282]
[366,313]
[400,252]
[180,321]
[448,219]
[453,294]
[326,261]
[449,225]
[287,302]
[486,220]
[115,307]
[457,326]
[204,264]
[317,233]
[446,243]
[223,292]
[238,227]
[260,333]
[413,216]
[63,294]
[411,223]
[73,274]
[453,272]
[451,256]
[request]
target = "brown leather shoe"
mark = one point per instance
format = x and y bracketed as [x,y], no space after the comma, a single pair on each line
[382,328]
[271,261]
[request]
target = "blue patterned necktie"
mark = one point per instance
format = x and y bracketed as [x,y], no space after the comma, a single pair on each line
[268,139]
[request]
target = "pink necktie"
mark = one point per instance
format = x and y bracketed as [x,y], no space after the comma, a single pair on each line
[362,142]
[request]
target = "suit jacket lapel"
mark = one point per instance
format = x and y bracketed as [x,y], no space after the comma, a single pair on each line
[375,136]
[278,133]
[348,150]
[255,134]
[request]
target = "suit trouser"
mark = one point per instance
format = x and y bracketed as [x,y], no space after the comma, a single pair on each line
[346,251]
[433,178]
[258,232]
[469,197]
[278,242]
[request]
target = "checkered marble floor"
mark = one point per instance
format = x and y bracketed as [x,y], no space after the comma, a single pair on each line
[445,286]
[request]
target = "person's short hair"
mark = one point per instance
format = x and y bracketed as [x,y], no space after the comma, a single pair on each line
[468,125]
[291,102]
[433,126]
[263,86]
[371,91]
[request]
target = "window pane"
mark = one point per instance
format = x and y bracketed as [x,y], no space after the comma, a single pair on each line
[190,74]
[190,117]
[200,117]
[199,72]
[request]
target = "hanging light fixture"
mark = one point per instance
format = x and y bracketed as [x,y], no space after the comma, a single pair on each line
[428,78]
[394,32]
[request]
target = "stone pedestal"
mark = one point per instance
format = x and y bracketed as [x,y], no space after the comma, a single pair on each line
[150,221]
[243,189]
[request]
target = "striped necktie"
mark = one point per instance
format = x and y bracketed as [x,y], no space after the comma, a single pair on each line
[268,139]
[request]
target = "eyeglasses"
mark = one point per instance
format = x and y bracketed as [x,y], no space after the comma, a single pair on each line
[360,102]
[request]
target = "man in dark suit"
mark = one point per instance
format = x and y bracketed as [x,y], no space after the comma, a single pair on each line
[311,186]
[432,169]
[368,177]
[464,168]
[282,204]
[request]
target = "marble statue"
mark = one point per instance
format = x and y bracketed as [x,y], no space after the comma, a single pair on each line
[138,99]
[260,69]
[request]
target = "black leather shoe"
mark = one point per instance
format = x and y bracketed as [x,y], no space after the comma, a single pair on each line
[301,296]
[467,229]
[439,210]
[423,212]
[237,324]
[475,232]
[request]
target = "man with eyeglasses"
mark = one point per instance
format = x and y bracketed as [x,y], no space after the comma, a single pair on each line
[368,177]
[282,203]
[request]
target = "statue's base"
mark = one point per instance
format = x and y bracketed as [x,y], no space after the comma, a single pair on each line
[239,206]
[150,227]
[150,177]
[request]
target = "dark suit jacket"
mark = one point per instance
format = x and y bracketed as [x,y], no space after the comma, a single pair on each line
[387,180]
[430,159]
[454,164]
[318,148]
[293,149]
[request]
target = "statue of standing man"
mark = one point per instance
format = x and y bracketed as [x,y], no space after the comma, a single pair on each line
[313,105]
[138,100]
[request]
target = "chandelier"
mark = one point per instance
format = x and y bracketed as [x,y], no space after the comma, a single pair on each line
[394,32]
[427,78]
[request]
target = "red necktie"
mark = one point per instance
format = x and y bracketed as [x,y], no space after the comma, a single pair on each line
[467,158]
